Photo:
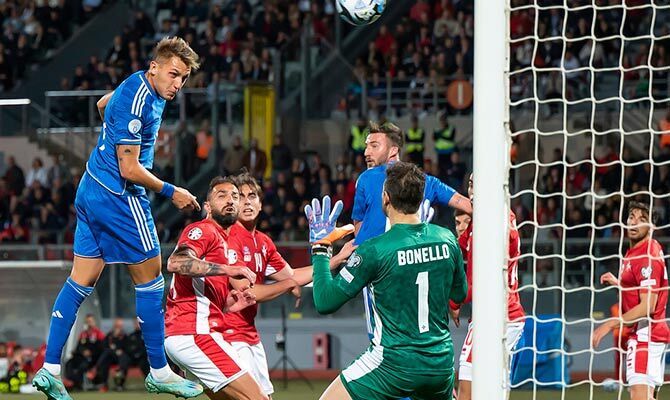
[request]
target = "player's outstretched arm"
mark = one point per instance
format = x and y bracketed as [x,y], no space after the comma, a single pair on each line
[131,170]
[328,296]
[303,275]
[266,292]
[184,262]
[439,192]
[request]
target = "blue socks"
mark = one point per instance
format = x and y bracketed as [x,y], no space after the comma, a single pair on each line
[63,315]
[149,307]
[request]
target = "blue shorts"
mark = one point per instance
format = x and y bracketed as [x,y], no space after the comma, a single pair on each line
[118,229]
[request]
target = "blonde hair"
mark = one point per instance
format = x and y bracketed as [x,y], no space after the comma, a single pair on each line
[170,47]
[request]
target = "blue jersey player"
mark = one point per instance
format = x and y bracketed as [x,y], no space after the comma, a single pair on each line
[382,147]
[114,222]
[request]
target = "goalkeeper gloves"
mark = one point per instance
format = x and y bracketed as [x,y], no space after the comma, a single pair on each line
[322,229]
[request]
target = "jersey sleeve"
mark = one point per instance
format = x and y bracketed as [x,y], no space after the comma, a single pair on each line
[197,238]
[358,212]
[275,260]
[125,115]
[650,274]
[459,283]
[360,270]
[437,191]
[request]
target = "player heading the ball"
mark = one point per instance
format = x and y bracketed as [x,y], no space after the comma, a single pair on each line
[114,222]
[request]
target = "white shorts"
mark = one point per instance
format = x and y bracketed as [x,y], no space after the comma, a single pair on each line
[254,360]
[512,336]
[209,358]
[645,363]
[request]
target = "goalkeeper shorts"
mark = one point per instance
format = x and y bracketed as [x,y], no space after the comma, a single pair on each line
[371,377]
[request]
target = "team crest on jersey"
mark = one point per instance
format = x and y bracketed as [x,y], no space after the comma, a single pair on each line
[264,250]
[134,126]
[354,261]
[246,254]
[646,272]
[232,256]
[195,234]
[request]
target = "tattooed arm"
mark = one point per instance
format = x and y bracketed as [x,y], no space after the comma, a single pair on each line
[184,262]
[131,169]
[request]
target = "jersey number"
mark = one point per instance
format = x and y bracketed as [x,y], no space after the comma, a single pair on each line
[422,282]
[259,262]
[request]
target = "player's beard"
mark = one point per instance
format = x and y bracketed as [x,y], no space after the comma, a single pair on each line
[224,219]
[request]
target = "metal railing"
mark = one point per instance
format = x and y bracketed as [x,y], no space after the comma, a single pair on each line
[548,281]
[71,121]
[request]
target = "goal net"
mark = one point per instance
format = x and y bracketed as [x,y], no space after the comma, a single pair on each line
[589,131]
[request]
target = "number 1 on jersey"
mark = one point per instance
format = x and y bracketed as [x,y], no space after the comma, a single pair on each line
[422,282]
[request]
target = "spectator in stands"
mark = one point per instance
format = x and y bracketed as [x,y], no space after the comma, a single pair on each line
[664,128]
[414,138]
[205,142]
[357,137]
[136,350]
[114,352]
[255,160]
[143,27]
[4,361]
[281,157]
[90,6]
[233,159]
[14,177]
[37,173]
[58,170]
[6,82]
[86,355]
[445,144]
[14,230]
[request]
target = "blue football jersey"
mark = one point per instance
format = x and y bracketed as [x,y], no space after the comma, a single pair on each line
[132,117]
[368,200]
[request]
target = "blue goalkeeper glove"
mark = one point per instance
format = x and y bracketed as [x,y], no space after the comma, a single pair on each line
[321,219]
[426,212]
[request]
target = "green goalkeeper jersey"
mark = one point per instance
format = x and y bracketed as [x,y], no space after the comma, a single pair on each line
[411,272]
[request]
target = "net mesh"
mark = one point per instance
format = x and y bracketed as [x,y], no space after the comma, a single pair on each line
[588,99]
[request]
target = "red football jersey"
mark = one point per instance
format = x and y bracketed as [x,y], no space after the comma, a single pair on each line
[194,303]
[642,269]
[515,311]
[259,254]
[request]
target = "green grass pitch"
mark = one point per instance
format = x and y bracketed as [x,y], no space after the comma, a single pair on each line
[299,391]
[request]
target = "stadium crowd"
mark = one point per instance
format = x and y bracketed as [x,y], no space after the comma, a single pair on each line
[91,363]
[32,30]
[434,44]
[234,40]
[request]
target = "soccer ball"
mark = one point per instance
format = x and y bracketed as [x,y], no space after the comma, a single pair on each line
[360,12]
[610,385]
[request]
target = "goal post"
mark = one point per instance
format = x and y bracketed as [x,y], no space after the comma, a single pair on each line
[490,218]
